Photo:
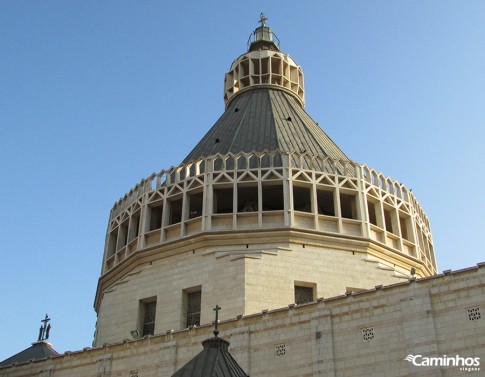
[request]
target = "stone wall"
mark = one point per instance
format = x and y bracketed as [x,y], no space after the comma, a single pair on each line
[243,279]
[360,334]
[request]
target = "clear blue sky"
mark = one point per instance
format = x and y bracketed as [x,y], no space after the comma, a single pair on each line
[96,95]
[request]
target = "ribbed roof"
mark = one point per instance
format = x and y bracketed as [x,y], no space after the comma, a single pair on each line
[39,350]
[262,119]
[213,361]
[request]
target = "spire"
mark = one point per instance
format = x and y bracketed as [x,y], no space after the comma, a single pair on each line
[263,37]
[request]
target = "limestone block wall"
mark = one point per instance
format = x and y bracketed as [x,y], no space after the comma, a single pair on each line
[270,281]
[243,278]
[361,334]
[165,280]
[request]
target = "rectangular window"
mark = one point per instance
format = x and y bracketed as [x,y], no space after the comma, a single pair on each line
[348,207]
[404,228]
[273,197]
[193,308]
[113,236]
[123,235]
[303,294]
[302,199]
[247,199]
[325,203]
[195,204]
[155,214]
[223,200]
[175,211]
[388,220]
[371,208]
[149,311]
[134,226]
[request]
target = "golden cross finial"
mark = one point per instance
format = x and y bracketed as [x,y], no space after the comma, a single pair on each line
[262,19]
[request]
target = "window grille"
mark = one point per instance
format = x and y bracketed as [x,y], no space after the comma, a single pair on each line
[303,295]
[474,313]
[149,318]
[368,334]
[280,350]
[193,309]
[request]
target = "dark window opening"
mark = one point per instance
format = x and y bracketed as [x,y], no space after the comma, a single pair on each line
[244,82]
[134,227]
[387,220]
[325,202]
[255,66]
[273,197]
[276,66]
[175,211]
[347,206]
[123,236]
[247,199]
[404,228]
[245,67]
[113,236]
[149,313]
[193,309]
[195,206]
[302,199]
[223,198]
[303,294]
[371,209]
[155,214]
[264,66]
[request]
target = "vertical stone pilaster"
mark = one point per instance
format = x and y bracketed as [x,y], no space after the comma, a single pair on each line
[168,359]
[103,366]
[418,327]
[47,372]
[239,348]
[322,344]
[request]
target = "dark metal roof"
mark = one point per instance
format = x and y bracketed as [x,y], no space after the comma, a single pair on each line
[39,350]
[265,119]
[213,361]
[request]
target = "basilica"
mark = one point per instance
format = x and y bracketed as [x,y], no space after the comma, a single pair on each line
[276,251]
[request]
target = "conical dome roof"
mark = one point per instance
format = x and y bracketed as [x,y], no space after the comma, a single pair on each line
[265,119]
[264,95]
